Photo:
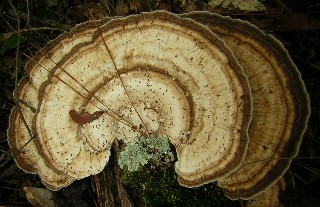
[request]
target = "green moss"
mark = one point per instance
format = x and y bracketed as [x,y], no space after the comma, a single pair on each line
[159,187]
[166,191]
[155,182]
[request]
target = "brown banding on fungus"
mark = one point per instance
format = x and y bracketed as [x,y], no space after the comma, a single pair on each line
[151,74]
[270,197]
[280,104]
[23,144]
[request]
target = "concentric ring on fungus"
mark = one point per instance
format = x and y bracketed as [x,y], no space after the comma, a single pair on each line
[281,105]
[25,150]
[153,73]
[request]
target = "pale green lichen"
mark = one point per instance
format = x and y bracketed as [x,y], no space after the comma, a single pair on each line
[133,157]
[139,153]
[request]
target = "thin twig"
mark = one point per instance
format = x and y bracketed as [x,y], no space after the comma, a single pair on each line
[28,14]
[16,79]
[114,115]
[63,16]
[27,105]
[3,155]
[7,35]
[112,6]
[9,25]
[283,5]
[24,122]
[122,83]
[107,5]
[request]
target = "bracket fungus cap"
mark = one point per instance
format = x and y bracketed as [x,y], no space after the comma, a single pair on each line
[178,49]
[150,73]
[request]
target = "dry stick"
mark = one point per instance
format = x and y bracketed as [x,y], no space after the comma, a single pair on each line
[28,13]
[17,50]
[118,74]
[283,5]
[32,29]
[34,110]
[112,6]
[106,5]
[2,157]
[60,79]
[6,22]
[93,198]
[63,16]
[128,123]
[309,168]
[79,93]
[300,178]
[16,83]
[96,98]
[120,118]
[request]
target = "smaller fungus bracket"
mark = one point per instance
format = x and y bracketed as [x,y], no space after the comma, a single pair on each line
[270,197]
[24,147]
[280,104]
[51,178]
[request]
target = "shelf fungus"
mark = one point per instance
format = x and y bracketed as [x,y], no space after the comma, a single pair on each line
[198,79]
[280,104]
[149,74]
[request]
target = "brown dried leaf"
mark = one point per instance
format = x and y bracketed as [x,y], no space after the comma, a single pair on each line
[39,197]
[84,117]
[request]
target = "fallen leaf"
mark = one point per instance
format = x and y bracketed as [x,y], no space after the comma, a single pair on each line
[84,117]
[39,197]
